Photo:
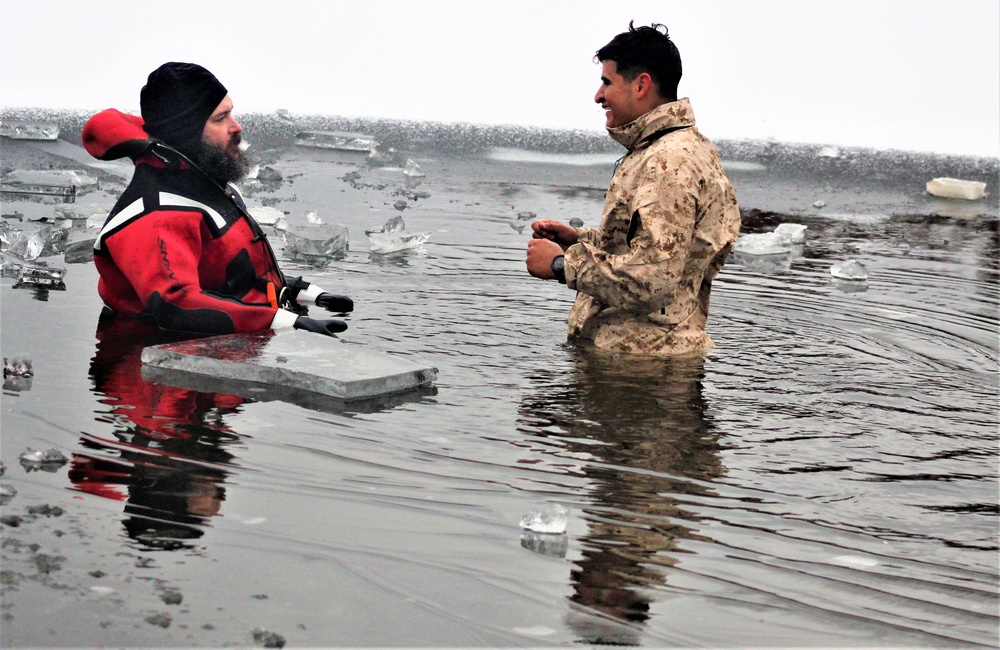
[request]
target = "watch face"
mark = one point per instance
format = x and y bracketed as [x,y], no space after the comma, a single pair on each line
[558,263]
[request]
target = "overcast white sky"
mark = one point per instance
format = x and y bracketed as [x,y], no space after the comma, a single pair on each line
[917,75]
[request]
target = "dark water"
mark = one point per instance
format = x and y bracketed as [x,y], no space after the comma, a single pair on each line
[827,477]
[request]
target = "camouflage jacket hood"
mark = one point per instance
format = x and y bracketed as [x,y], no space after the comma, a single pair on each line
[670,218]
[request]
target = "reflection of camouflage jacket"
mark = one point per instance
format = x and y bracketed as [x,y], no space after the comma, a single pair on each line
[670,219]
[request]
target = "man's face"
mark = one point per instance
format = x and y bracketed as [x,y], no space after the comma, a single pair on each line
[617,96]
[222,129]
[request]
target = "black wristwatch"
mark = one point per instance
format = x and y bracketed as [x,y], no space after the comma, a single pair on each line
[559,268]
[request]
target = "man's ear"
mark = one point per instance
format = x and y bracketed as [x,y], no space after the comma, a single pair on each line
[644,86]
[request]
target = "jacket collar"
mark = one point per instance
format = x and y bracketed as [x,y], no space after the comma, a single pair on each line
[665,116]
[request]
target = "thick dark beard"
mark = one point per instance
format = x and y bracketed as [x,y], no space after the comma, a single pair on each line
[222,167]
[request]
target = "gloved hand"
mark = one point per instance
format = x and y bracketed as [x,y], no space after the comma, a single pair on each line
[328,327]
[334,302]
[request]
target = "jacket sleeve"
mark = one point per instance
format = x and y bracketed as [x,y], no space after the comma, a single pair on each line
[647,277]
[160,254]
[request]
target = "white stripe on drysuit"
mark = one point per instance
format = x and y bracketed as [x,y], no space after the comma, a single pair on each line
[166,198]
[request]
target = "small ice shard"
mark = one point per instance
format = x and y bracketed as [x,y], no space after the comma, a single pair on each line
[412,169]
[392,225]
[400,205]
[549,519]
[849,270]
[268,639]
[7,492]
[283,114]
[576,222]
[854,561]
[526,216]
[313,217]
[17,366]
[49,460]
[828,152]
[819,204]
[517,226]
[795,232]
[954,188]
[264,215]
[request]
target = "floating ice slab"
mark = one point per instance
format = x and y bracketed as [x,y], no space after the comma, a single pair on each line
[29,130]
[340,140]
[265,215]
[954,188]
[301,361]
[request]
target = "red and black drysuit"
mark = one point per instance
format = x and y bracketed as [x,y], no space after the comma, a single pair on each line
[181,250]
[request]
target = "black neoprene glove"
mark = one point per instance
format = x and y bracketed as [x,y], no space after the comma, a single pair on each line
[334,302]
[328,327]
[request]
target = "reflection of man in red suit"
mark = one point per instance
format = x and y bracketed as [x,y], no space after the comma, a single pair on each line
[168,458]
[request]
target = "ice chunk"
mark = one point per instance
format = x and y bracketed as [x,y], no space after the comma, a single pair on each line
[819,204]
[292,361]
[17,130]
[18,365]
[313,217]
[576,222]
[49,460]
[340,140]
[549,519]
[551,545]
[392,225]
[41,275]
[79,247]
[392,238]
[81,214]
[47,181]
[413,170]
[316,243]
[264,215]
[795,232]
[30,244]
[400,205]
[954,188]
[762,243]
[382,244]
[828,152]
[526,216]
[849,270]
[7,492]
[267,638]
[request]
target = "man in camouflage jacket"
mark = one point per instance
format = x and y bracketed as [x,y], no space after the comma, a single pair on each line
[670,215]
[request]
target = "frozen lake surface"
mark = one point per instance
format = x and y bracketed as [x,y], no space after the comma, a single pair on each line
[827,477]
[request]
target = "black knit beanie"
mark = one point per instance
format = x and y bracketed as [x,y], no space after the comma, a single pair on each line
[176,101]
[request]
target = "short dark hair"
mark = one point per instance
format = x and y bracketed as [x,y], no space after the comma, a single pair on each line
[649,50]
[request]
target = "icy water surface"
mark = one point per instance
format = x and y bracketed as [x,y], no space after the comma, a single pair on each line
[827,477]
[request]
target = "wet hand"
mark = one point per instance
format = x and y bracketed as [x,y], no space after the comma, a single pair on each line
[541,252]
[327,327]
[561,233]
[335,302]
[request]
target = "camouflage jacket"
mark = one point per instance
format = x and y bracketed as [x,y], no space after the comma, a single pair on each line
[670,218]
